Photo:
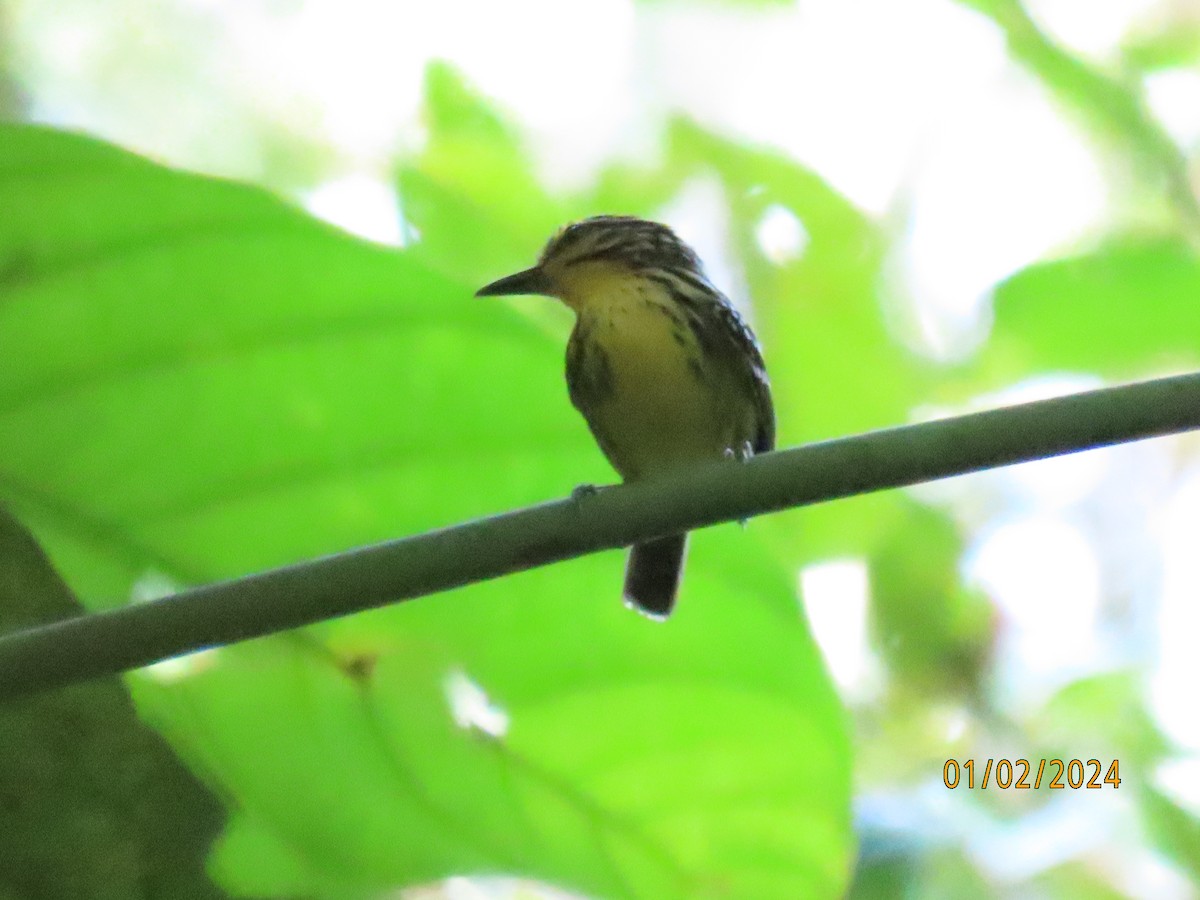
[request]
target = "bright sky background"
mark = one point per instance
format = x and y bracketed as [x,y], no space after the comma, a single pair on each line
[921,119]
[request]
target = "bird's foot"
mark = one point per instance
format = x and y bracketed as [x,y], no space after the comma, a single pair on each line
[583,491]
[742,453]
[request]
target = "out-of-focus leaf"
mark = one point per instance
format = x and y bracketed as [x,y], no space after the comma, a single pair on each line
[471,195]
[932,630]
[918,871]
[1127,307]
[1175,45]
[199,381]
[835,368]
[1174,830]
[1114,108]
[12,95]
[93,805]
[1075,880]
[1106,714]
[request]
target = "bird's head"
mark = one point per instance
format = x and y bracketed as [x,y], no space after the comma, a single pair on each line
[587,254]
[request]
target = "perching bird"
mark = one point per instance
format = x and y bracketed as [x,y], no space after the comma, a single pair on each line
[663,368]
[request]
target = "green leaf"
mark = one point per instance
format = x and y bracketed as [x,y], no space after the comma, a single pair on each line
[474,198]
[1175,45]
[1107,714]
[932,630]
[471,195]
[1174,830]
[1128,307]
[1114,108]
[199,381]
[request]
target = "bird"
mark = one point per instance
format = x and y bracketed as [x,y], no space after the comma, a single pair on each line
[666,373]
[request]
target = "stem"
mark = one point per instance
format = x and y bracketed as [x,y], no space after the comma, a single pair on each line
[110,642]
[1116,107]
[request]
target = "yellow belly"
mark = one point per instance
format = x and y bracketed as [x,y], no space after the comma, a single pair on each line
[662,404]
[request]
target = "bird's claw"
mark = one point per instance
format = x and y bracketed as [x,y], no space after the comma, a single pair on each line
[582,491]
[742,453]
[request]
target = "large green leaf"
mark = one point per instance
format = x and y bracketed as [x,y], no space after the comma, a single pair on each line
[199,381]
[1126,307]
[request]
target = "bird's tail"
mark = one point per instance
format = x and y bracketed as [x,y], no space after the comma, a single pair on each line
[652,576]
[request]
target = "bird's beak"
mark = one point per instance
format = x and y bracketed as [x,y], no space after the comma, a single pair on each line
[531,281]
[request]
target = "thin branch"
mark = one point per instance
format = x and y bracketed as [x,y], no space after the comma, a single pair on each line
[133,636]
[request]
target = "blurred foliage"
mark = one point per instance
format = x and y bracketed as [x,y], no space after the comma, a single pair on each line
[1175,830]
[208,382]
[887,873]
[1116,110]
[93,804]
[933,631]
[200,381]
[12,99]
[1134,298]
[1171,47]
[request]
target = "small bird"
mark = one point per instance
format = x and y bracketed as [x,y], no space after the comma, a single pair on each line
[660,364]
